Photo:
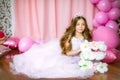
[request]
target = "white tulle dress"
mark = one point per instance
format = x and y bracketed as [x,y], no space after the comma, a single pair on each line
[47,61]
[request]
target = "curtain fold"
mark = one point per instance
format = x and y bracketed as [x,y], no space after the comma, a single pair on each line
[48,19]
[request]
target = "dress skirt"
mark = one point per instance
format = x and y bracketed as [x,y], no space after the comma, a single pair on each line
[47,61]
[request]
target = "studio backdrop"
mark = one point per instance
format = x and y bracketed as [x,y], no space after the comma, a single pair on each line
[48,19]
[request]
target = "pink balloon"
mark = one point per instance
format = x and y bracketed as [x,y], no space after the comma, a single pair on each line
[104,5]
[11,43]
[116,4]
[117,53]
[111,0]
[114,13]
[101,18]
[96,24]
[108,35]
[109,57]
[25,44]
[113,25]
[94,1]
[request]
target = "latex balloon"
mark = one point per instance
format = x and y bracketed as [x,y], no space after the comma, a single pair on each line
[96,24]
[104,5]
[109,57]
[111,0]
[116,3]
[108,35]
[114,13]
[25,44]
[112,24]
[117,53]
[101,17]
[11,43]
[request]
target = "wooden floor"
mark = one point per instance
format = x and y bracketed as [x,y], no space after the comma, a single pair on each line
[5,74]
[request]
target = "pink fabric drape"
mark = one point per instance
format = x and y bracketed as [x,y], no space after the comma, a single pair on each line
[47,19]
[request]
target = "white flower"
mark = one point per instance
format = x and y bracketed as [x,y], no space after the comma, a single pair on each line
[84,64]
[102,46]
[102,67]
[83,56]
[99,55]
[86,55]
[85,46]
[91,54]
[94,45]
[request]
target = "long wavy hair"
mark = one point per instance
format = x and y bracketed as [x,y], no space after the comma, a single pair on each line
[70,32]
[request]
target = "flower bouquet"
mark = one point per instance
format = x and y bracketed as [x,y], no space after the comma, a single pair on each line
[91,55]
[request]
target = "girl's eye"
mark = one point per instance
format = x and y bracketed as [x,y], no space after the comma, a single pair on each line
[83,24]
[78,24]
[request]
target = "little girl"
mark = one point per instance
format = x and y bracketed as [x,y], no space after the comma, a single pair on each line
[57,58]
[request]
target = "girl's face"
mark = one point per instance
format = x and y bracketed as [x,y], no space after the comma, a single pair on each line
[80,26]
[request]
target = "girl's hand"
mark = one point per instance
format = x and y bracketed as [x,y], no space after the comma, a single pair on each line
[73,52]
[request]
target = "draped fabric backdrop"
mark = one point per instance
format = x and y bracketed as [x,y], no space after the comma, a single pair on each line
[48,19]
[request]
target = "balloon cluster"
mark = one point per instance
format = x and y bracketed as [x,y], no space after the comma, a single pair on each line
[22,44]
[106,27]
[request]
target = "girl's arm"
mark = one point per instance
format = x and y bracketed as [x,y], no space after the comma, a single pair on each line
[72,52]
